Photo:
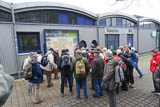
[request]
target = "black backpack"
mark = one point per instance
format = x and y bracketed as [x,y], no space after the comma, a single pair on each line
[44,60]
[66,61]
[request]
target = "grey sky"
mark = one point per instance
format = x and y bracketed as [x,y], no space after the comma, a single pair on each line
[148,8]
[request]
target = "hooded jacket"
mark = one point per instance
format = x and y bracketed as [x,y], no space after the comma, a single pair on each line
[154,62]
[109,76]
[36,72]
[80,57]
[97,68]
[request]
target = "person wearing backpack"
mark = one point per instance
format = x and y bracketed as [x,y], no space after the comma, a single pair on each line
[136,62]
[124,58]
[48,65]
[155,60]
[56,61]
[80,67]
[97,73]
[66,73]
[26,63]
[109,78]
[36,79]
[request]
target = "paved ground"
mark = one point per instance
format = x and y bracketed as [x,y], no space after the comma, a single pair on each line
[140,96]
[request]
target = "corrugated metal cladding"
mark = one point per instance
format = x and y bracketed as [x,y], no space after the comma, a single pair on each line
[7,49]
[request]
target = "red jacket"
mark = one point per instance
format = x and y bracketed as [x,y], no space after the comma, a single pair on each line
[154,62]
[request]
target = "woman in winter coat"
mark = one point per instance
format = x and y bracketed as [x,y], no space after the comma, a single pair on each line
[109,77]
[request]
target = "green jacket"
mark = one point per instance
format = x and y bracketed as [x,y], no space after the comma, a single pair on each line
[79,57]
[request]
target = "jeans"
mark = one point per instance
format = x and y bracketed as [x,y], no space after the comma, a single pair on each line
[112,98]
[29,88]
[64,79]
[84,85]
[138,70]
[97,87]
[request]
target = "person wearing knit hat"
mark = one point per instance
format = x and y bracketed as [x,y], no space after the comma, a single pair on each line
[108,77]
[97,73]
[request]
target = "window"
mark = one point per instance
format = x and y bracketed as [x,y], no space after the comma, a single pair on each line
[31,16]
[72,18]
[112,41]
[5,16]
[49,16]
[28,41]
[119,22]
[114,22]
[152,25]
[128,23]
[108,22]
[124,22]
[132,24]
[102,22]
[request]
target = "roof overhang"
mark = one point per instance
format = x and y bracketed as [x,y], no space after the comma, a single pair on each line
[52,5]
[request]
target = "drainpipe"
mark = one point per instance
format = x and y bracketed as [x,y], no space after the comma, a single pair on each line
[97,31]
[138,36]
[15,41]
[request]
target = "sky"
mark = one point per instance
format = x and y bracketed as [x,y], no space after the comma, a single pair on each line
[147,8]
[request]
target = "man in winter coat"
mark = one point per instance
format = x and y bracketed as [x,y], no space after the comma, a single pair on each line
[97,73]
[80,67]
[36,79]
[109,77]
[66,73]
[49,67]
[154,62]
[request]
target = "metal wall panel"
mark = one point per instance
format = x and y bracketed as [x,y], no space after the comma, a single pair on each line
[146,41]
[7,49]
[85,33]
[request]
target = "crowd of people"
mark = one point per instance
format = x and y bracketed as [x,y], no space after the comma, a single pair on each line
[110,71]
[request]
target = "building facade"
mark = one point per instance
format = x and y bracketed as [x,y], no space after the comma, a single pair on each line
[36,26]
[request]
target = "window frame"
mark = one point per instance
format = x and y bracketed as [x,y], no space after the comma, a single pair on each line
[73,14]
[23,33]
[9,16]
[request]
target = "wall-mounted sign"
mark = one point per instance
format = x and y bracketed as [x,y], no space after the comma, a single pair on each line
[153,34]
[118,31]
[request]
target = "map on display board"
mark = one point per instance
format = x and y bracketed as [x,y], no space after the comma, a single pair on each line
[61,39]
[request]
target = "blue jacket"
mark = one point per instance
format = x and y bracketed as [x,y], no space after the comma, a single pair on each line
[36,72]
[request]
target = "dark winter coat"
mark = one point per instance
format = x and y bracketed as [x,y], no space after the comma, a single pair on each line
[36,72]
[65,70]
[109,76]
[56,57]
[157,77]
[80,57]
[97,68]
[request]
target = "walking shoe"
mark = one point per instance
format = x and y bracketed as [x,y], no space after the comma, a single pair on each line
[78,98]
[71,93]
[51,85]
[95,96]
[153,91]
[38,102]
[140,76]
[85,97]
[62,95]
